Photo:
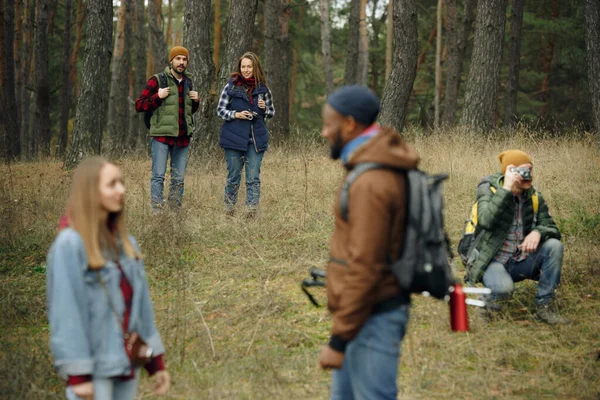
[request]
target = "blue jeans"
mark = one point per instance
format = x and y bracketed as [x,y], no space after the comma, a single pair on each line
[236,160]
[179,158]
[544,266]
[111,388]
[370,366]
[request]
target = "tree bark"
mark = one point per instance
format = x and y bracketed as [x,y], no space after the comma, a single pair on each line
[25,97]
[389,40]
[217,35]
[65,103]
[404,68]
[10,122]
[438,67]
[77,46]
[326,45]
[138,130]
[592,50]
[352,44]
[514,63]
[456,44]
[363,45]
[42,83]
[277,63]
[484,74]
[169,36]
[117,125]
[196,38]
[92,103]
[157,44]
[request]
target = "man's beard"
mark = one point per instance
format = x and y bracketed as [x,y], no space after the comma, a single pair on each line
[176,68]
[337,146]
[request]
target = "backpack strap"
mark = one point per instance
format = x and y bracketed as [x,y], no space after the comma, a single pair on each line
[352,175]
[161,77]
[535,199]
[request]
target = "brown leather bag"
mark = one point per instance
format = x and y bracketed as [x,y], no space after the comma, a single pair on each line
[137,350]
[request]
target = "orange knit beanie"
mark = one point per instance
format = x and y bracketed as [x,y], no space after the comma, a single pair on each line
[514,157]
[178,51]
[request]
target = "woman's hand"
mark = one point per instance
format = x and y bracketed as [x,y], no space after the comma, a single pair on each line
[162,382]
[84,391]
[243,115]
[262,105]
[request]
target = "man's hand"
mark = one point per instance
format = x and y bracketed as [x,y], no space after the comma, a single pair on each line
[531,242]
[162,382]
[164,92]
[511,179]
[84,390]
[194,95]
[329,358]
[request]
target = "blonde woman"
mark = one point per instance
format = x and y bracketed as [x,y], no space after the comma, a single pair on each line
[245,104]
[101,319]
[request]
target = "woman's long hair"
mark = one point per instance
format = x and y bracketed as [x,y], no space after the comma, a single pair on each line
[85,213]
[257,69]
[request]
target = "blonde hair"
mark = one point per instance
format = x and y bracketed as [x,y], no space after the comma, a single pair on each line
[85,213]
[257,69]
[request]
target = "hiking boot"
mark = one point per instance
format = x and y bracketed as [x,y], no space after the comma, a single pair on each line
[251,214]
[548,313]
[230,212]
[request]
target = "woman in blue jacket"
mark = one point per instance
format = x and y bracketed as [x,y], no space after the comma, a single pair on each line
[98,297]
[245,104]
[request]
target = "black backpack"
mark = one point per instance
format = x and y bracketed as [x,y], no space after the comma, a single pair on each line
[162,83]
[424,262]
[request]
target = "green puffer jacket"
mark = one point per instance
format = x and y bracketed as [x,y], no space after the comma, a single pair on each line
[495,214]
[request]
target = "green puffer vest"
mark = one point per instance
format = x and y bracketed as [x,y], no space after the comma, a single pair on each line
[495,215]
[165,119]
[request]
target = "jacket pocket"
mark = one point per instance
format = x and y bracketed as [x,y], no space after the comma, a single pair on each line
[336,275]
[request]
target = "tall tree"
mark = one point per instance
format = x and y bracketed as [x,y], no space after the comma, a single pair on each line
[389,40]
[158,46]
[138,66]
[65,104]
[456,45]
[277,63]
[326,45]
[592,47]
[86,138]
[196,38]
[514,63]
[352,43]
[42,83]
[10,121]
[397,91]
[295,62]
[217,35]
[25,93]
[363,45]
[118,105]
[438,66]
[484,73]
[78,37]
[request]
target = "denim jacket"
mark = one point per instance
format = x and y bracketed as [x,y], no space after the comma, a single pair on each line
[86,337]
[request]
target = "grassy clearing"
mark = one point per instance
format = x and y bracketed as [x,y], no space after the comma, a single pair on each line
[226,290]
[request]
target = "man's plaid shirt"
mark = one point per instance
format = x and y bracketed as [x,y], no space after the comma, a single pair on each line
[149,101]
[510,249]
[229,115]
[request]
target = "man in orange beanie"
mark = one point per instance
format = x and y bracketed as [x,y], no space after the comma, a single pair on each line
[168,101]
[516,238]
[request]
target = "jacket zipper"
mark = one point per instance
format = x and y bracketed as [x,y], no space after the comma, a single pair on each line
[253,138]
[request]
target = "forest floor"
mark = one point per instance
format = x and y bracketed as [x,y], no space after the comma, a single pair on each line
[226,291]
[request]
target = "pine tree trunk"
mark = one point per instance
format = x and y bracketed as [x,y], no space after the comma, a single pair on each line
[10,120]
[326,45]
[514,57]
[404,68]
[363,45]
[25,92]
[438,67]
[157,44]
[484,73]
[196,38]
[277,63]
[169,36]
[77,46]
[592,48]
[389,40]
[42,83]
[352,43]
[139,133]
[92,103]
[65,102]
[217,35]
[456,43]
[118,105]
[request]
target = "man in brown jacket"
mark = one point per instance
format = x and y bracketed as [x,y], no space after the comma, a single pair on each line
[370,313]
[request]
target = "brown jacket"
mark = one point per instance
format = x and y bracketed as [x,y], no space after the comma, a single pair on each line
[358,276]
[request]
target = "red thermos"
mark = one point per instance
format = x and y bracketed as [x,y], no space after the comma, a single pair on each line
[459,320]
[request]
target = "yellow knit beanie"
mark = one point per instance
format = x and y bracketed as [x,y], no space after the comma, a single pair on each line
[514,157]
[178,51]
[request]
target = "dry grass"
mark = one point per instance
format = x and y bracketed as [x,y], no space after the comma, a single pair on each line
[226,290]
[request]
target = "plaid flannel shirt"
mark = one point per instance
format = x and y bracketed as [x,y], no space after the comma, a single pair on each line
[226,114]
[510,248]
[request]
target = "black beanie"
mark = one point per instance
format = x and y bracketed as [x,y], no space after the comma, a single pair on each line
[356,101]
